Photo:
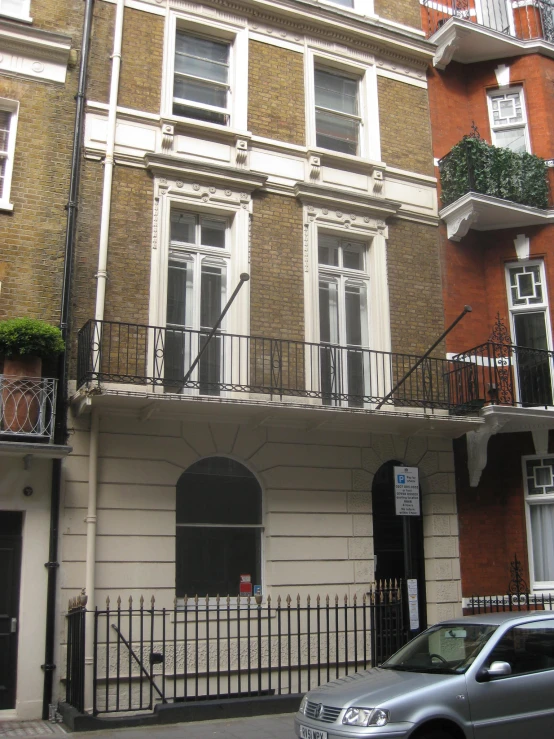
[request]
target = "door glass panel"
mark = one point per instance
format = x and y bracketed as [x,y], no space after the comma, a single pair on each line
[210,309]
[179,292]
[328,312]
[533,367]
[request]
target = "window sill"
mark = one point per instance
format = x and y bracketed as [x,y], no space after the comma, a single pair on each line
[5,206]
[16,18]
[191,124]
[328,155]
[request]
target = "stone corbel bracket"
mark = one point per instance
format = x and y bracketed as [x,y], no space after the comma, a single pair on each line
[460,220]
[168,135]
[241,154]
[477,443]
[447,45]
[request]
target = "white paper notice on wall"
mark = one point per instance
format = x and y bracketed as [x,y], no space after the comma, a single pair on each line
[413,605]
[406,491]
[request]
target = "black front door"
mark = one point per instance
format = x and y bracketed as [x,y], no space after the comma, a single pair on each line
[10,570]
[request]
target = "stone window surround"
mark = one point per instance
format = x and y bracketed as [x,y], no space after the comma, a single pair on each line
[369,146]
[523,124]
[237,35]
[530,500]
[12,106]
[204,200]
[24,13]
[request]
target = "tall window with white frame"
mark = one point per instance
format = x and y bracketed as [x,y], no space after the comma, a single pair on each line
[531,332]
[538,474]
[343,320]
[8,125]
[508,119]
[201,78]
[15,8]
[198,268]
[337,114]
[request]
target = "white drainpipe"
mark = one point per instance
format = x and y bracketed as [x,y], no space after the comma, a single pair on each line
[90,566]
[102,275]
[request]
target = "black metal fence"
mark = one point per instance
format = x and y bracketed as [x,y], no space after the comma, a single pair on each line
[136,354]
[524,601]
[527,20]
[214,648]
[505,374]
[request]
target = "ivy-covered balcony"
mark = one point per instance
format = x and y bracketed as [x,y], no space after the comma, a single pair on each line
[470,31]
[487,187]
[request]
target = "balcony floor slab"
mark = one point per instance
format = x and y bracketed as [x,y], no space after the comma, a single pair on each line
[265,412]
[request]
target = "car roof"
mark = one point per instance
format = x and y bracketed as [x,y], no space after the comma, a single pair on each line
[499,619]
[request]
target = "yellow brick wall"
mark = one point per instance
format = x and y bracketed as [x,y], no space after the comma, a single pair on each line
[276,93]
[401,11]
[140,84]
[405,126]
[277,282]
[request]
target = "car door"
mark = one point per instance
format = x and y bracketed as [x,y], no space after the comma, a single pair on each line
[522,703]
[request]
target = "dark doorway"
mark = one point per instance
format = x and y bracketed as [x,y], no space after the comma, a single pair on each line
[11,526]
[397,540]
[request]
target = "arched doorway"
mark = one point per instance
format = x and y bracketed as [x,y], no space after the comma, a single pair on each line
[218,528]
[397,540]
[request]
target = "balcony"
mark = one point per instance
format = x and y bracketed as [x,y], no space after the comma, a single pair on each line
[140,361]
[486,187]
[27,409]
[470,31]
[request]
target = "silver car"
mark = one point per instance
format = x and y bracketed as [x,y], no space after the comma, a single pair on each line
[489,676]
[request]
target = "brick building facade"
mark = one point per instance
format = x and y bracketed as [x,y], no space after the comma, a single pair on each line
[493,82]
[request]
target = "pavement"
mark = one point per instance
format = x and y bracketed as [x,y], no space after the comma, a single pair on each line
[280,726]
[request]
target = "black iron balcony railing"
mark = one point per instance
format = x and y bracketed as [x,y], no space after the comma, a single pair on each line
[522,20]
[505,374]
[350,376]
[27,408]
[475,166]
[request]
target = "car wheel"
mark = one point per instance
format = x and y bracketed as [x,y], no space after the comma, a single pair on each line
[434,734]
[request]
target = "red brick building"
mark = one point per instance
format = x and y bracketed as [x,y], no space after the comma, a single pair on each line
[491,99]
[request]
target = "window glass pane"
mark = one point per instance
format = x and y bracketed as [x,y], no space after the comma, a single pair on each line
[200,115]
[183,227]
[526,285]
[328,250]
[210,561]
[352,256]
[211,293]
[215,51]
[511,138]
[209,494]
[328,312]
[543,476]
[200,92]
[4,129]
[200,68]
[336,92]
[336,133]
[527,648]
[345,3]
[355,314]
[2,171]
[213,232]
[179,292]
[542,531]
[530,330]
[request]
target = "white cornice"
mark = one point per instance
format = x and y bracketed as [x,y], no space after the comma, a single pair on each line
[462,41]
[338,200]
[486,213]
[163,164]
[32,52]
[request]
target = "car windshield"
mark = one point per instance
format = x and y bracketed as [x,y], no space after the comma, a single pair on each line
[445,648]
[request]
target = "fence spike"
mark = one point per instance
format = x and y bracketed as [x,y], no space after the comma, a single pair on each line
[248,599]
[175,602]
[142,601]
[119,601]
[346,599]
[217,599]
[336,599]
[308,600]
[298,600]
[288,601]
[318,600]
[196,600]
[268,600]
[152,601]
[185,599]
[107,602]
[130,602]
[207,600]
[355,598]
[228,600]
[365,599]
[327,599]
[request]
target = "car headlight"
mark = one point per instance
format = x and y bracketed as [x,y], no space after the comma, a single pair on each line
[303,704]
[365,717]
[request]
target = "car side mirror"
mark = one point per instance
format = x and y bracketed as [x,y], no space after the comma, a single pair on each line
[497,669]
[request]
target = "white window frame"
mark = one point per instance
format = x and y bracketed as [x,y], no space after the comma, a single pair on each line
[508,126]
[531,500]
[24,13]
[537,308]
[369,145]
[237,320]
[12,107]
[237,96]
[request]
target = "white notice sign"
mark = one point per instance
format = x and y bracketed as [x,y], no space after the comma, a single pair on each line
[406,491]
[413,606]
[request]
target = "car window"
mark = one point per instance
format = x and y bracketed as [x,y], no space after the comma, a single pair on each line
[446,648]
[527,648]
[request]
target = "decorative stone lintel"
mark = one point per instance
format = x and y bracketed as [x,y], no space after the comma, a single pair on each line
[164,165]
[346,202]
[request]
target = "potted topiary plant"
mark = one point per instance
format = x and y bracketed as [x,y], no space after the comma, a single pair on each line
[24,343]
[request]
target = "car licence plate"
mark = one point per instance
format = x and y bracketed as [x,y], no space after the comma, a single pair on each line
[307,733]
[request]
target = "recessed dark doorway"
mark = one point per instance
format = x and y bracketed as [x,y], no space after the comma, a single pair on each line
[11,526]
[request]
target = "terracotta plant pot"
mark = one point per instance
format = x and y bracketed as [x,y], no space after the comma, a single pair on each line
[21,387]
